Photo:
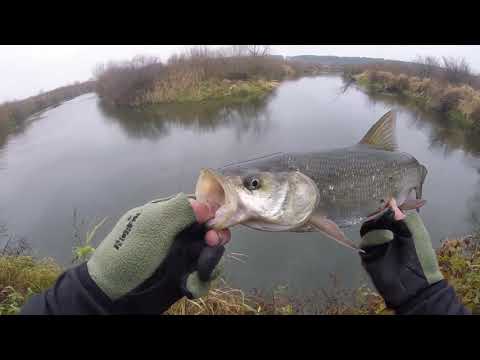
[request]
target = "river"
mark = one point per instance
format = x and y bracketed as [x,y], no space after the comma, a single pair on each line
[82,161]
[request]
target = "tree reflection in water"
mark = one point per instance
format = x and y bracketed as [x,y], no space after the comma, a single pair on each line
[156,121]
[444,134]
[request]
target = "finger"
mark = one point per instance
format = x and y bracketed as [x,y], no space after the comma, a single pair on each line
[398,214]
[203,212]
[208,260]
[217,237]
[213,238]
[225,236]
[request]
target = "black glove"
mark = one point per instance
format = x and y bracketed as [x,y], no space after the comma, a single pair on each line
[399,258]
[186,271]
[155,255]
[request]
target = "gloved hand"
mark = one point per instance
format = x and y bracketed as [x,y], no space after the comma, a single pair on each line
[399,256]
[158,253]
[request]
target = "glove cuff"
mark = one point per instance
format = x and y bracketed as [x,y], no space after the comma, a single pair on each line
[196,288]
[424,249]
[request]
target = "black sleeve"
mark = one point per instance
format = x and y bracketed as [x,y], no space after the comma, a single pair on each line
[73,293]
[437,299]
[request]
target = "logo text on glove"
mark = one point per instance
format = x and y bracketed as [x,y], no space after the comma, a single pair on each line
[121,239]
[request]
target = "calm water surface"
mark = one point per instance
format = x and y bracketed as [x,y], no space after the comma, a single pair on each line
[86,159]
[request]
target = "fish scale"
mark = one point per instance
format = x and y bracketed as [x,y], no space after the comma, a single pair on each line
[356,181]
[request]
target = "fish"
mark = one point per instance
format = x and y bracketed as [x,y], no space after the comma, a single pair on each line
[324,191]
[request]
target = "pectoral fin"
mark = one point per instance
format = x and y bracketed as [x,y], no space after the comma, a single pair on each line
[330,229]
[377,214]
[412,204]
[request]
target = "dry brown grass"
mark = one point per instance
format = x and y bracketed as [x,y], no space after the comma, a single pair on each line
[25,272]
[192,75]
[220,301]
[460,102]
[459,261]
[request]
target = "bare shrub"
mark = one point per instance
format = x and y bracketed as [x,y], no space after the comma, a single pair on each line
[148,80]
[374,76]
[428,66]
[456,71]
[449,100]
[475,116]
[258,50]
[123,82]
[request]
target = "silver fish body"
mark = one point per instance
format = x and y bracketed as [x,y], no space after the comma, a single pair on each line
[353,182]
[316,191]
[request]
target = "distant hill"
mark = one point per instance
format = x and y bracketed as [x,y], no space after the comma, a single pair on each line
[342,60]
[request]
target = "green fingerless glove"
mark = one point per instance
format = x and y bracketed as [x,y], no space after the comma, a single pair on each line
[140,250]
[399,257]
[423,248]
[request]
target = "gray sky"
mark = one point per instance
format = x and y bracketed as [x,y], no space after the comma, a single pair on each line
[27,69]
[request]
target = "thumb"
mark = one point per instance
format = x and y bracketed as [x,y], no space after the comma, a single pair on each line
[208,260]
[209,268]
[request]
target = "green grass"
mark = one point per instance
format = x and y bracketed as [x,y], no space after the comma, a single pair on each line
[459,260]
[211,90]
[459,119]
[21,276]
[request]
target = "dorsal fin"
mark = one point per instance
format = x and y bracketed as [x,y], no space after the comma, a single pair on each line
[382,134]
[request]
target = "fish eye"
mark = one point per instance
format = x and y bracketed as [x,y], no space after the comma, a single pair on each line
[252,183]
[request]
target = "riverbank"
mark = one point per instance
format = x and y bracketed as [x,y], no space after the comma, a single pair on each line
[459,104]
[13,114]
[459,259]
[197,75]
[208,90]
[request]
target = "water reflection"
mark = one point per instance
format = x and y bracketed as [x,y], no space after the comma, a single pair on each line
[155,122]
[473,205]
[8,130]
[444,134]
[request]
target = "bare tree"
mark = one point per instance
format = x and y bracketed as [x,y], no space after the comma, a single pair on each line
[258,50]
[140,61]
[457,71]
[239,50]
[428,66]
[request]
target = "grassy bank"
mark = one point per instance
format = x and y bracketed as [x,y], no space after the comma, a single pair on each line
[13,113]
[457,101]
[196,75]
[208,90]
[22,275]
[460,103]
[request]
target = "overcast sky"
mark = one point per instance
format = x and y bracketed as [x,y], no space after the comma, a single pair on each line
[27,69]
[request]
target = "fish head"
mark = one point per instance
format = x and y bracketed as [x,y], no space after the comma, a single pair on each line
[271,201]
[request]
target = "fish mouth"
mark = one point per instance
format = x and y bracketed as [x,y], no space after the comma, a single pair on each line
[214,190]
